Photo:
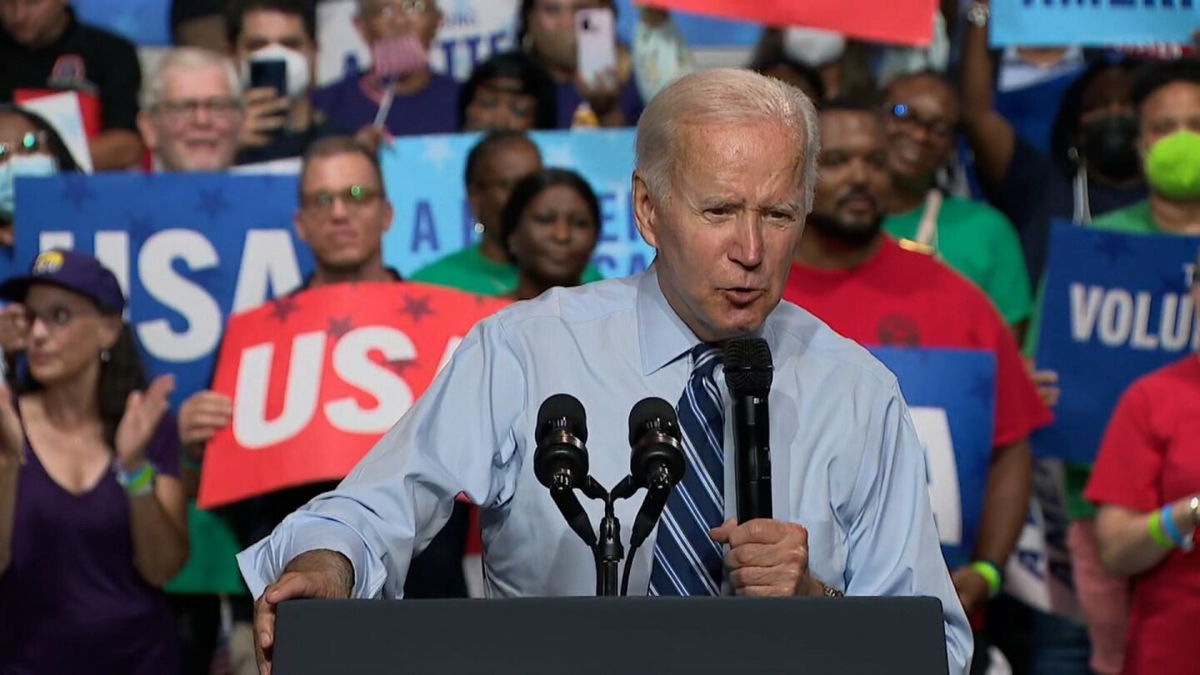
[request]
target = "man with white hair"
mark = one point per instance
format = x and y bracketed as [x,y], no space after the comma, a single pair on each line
[724,181]
[192,111]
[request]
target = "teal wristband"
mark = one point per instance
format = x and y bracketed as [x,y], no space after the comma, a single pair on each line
[188,463]
[137,483]
[990,573]
[1169,527]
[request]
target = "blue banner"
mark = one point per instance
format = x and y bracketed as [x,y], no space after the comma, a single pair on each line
[423,176]
[145,23]
[951,397]
[1093,22]
[1116,308]
[698,31]
[188,249]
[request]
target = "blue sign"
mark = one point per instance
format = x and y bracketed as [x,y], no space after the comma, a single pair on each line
[188,249]
[1093,22]
[951,398]
[1116,308]
[698,31]
[423,176]
[145,23]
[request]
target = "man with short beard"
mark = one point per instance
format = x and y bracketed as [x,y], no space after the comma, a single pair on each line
[852,276]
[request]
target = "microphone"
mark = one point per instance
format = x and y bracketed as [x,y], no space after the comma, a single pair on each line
[748,374]
[560,461]
[656,462]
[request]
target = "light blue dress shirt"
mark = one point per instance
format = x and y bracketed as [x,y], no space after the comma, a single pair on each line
[845,459]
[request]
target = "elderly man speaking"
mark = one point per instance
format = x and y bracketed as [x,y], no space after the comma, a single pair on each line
[726,163]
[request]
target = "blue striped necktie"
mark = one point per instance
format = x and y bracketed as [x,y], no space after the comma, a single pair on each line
[686,560]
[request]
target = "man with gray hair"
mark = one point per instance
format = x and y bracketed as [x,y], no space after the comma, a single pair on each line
[192,111]
[724,181]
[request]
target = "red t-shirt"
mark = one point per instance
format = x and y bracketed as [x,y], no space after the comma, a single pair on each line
[1150,456]
[906,299]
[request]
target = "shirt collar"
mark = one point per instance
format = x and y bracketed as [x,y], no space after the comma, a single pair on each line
[663,337]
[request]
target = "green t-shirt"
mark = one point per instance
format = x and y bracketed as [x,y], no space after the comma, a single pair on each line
[978,242]
[467,270]
[1133,219]
[211,567]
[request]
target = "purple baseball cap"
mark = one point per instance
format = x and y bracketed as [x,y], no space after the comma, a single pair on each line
[73,271]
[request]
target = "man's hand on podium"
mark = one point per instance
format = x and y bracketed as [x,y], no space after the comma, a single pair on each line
[324,575]
[767,558]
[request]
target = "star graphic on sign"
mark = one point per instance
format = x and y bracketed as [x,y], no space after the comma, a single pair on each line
[437,152]
[416,308]
[212,202]
[1114,248]
[281,308]
[75,190]
[140,223]
[339,327]
[558,154]
[983,389]
[398,366]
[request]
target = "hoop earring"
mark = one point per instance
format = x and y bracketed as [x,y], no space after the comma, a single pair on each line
[105,356]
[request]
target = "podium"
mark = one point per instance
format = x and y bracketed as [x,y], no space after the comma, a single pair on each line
[612,636]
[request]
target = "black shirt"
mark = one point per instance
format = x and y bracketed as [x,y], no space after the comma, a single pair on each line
[286,144]
[1035,192]
[84,59]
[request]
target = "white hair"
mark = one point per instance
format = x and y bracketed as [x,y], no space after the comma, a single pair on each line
[187,58]
[724,96]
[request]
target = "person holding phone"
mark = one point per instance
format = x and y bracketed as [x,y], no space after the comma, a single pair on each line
[575,42]
[275,44]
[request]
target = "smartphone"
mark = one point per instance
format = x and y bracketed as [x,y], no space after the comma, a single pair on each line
[595,43]
[269,73]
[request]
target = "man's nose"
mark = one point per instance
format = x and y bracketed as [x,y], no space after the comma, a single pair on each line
[747,246]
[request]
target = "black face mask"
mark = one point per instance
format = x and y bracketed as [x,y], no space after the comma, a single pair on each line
[1108,146]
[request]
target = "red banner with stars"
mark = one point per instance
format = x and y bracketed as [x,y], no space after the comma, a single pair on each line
[318,377]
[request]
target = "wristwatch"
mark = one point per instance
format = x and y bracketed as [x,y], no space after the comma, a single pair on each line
[977,14]
[830,592]
[1194,507]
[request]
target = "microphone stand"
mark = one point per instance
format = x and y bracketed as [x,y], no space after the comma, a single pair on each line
[608,550]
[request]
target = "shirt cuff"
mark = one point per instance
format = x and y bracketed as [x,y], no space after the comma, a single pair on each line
[264,562]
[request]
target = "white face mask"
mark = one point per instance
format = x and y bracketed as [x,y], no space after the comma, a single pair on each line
[296,64]
[24,166]
[813,47]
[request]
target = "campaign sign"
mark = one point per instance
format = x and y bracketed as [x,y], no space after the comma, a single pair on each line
[423,176]
[1116,308]
[188,250]
[317,377]
[903,22]
[1093,22]
[145,23]
[951,397]
[471,31]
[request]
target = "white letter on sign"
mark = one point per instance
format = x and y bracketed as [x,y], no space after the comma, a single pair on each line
[250,426]
[351,363]
[933,429]
[182,295]
[268,262]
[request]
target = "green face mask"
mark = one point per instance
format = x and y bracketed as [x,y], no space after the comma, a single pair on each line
[1173,166]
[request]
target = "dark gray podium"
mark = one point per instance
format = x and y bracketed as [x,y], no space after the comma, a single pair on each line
[612,636]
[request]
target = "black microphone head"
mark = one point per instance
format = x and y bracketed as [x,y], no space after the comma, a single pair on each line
[652,410]
[657,455]
[748,368]
[562,411]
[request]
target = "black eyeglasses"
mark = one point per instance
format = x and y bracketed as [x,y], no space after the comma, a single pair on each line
[353,198]
[907,116]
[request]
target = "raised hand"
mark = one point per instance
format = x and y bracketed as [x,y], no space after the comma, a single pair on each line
[143,412]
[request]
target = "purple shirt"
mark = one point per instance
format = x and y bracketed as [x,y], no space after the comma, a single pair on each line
[628,100]
[352,102]
[72,600]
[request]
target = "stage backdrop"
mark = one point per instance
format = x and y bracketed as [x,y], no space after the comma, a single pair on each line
[424,180]
[1116,308]
[1093,23]
[188,249]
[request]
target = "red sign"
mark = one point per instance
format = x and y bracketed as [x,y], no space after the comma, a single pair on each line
[904,22]
[318,377]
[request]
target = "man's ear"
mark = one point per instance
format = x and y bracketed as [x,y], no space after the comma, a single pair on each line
[645,211]
[146,128]
[298,224]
